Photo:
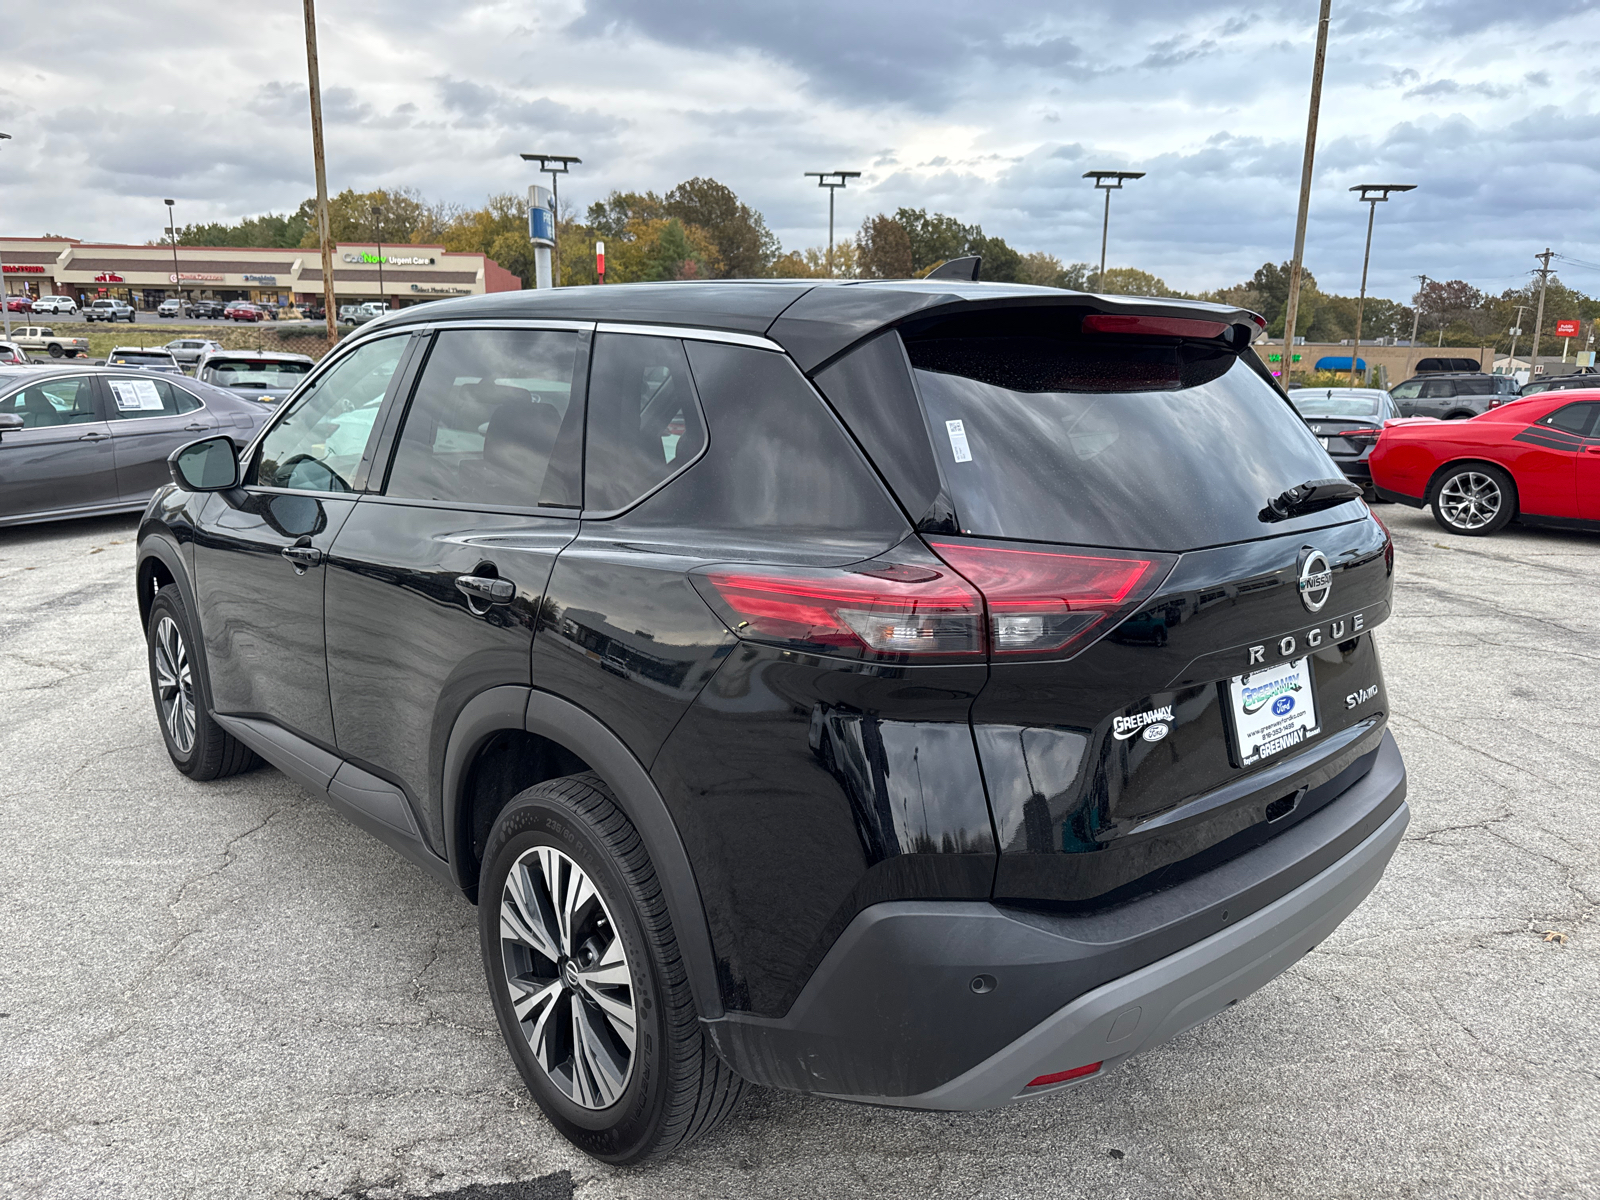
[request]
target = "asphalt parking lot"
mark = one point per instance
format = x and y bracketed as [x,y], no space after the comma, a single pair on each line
[223,990]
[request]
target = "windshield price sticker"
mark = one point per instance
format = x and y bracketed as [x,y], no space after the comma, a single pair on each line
[958,441]
[1273,710]
[136,395]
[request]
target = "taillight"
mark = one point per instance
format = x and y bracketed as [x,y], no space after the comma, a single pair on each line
[882,611]
[1361,435]
[1184,327]
[1051,602]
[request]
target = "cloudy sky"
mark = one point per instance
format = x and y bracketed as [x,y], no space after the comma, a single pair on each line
[989,111]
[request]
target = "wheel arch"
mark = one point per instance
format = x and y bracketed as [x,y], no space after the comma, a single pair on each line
[567,739]
[1470,461]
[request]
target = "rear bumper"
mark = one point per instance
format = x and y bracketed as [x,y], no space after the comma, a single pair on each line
[1401,498]
[891,1015]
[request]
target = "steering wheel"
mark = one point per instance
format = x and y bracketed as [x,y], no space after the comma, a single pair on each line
[334,482]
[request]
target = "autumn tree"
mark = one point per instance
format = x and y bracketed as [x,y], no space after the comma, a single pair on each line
[883,249]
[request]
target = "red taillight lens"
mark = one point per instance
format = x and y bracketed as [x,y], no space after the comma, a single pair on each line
[881,611]
[1063,1076]
[1047,602]
[1184,327]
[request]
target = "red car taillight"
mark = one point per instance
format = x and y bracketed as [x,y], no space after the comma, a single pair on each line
[1360,435]
[1050,602]
[884,611]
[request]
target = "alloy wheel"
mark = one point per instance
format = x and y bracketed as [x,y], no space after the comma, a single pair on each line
[1470,500]
[174,684]
[571,988]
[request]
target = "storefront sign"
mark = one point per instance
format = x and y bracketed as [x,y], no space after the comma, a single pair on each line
[440,289]
[25,268]
[109,277]
[261,279]
[1566,328]
[393,260]
[189,275]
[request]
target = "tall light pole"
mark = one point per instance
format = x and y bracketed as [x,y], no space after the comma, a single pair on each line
[377,237]
[1373,194]
[330,301]
[1100,181]
[562,163]
[833,181]
[5,293]
[1291,311]
[172,232]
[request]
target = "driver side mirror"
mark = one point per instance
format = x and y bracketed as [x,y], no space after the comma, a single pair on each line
[209,465]
[10,422]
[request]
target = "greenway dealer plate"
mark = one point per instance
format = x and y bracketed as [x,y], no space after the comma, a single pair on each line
[1274,710]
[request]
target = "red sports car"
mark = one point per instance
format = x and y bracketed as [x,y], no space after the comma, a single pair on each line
[1535,460]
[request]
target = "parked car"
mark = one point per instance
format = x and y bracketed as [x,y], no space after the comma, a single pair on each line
[1347,421]
[208,309]
[1536,461]
[369,311]
[19,303]
[1586,378]
[108,310]
[41,338]
[313,312]
[347,313]
[1452,397]
[190,351]
[145,358]
[173,308]
[12,355]
[1447,366]
[922,530]
[246,312]
[55,305]
[80,441]
[259,375]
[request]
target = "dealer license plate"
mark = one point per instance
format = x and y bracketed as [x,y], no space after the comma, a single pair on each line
[1274,710]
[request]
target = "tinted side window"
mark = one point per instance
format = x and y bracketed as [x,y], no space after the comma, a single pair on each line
[1409,390]
[644,418]
[135,398]
[318,444]
[1574,418]
[486,418]
[58,402]
[1474,387]
[1438,389]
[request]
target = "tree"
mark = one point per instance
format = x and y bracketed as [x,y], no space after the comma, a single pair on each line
[610,217]
[402,213]
[1001,263]
[812,263]
[883,249]
[1129,281]
[934,239]
[745,246]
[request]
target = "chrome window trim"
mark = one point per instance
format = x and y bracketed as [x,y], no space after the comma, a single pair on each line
[554,324]
[692,333]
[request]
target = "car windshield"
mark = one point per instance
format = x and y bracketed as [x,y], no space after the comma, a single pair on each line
[244,372]
[1329,402]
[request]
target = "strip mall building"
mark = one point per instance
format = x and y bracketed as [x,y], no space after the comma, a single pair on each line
[144,276]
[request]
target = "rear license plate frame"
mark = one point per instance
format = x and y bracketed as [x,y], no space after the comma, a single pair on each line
[1264,726]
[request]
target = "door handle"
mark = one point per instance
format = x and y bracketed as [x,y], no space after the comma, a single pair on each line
[92,437]
[486,589]
[302,557]
[196,428]
[1591,449]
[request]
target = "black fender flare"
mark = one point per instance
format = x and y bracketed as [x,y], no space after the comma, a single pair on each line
[155,542]
[550,716]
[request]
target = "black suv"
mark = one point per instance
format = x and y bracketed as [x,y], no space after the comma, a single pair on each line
[1453,397]
[921,693]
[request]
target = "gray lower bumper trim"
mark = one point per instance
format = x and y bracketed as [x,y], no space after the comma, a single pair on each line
[1147,1007]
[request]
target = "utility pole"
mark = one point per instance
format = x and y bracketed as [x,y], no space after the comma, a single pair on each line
[1372,194]
[1100,178]
[1291,312]
[5,294]
[330,301]
[562,163]
[833,181]
[1416,317]
[1516,330]
[377,237]
[1538,317]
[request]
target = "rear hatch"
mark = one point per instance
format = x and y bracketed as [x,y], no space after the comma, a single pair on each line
[1180,656]
[1333,418]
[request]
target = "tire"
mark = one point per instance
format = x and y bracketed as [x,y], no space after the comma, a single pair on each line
[1474,500]
[198,746]
[1461,414]
[72,354]
[616,1104]
[56,351]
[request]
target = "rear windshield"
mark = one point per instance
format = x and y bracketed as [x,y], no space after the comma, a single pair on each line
[129,357]
[1102,443]
[1332,404]
[244,372]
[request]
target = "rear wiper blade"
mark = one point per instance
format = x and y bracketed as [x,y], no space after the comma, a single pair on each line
[1312,496]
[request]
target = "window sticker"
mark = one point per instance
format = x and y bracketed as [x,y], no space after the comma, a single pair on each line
[958,441]
[136,395]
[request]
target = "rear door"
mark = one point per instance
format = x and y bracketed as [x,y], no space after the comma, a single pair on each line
[454,547]
[150,418]
[1588,469]
[1550,461]
[1437,395]
[61,459]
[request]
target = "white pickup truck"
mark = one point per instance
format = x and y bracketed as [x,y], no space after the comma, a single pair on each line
[41,337]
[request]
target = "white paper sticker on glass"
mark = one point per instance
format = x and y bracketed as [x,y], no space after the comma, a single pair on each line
[958,441]
[136,395]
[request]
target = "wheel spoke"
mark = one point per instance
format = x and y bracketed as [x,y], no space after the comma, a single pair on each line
[524,915]
[605,1074]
